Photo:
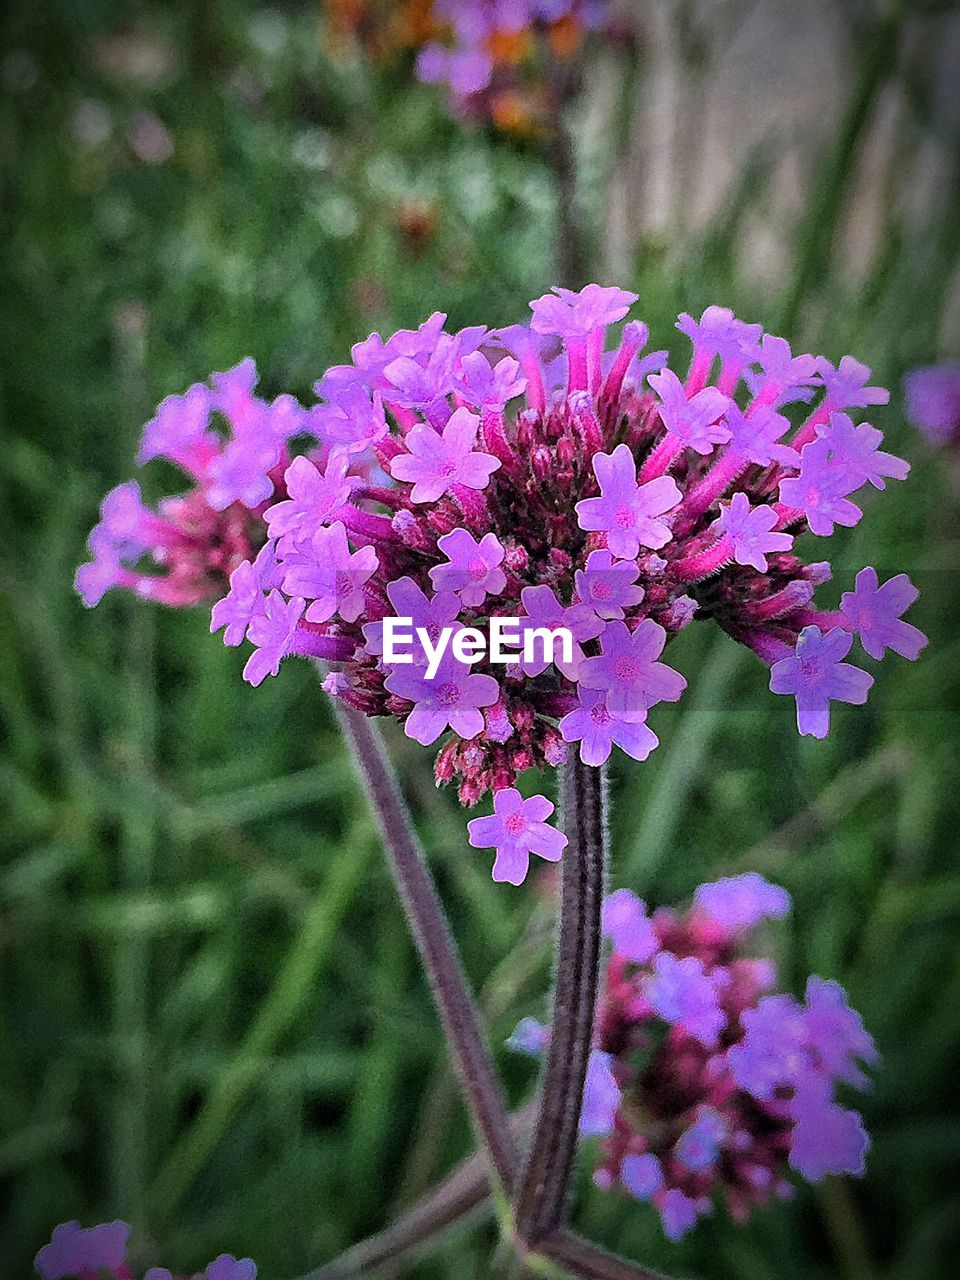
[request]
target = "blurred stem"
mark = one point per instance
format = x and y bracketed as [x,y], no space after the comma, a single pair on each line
[541,1197]
[579,1257]
[572,257]
[435,944]
[817,235]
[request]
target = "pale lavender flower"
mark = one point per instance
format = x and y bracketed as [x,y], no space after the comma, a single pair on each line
[685,995]
[694,422]
[738,903]
[816,675]
[875,612]
[820,490]
[626,923]
[627,512]
[628,670]
[332,577]
[436,462]
[271,631]
[473,570]
[248,582]
[598,731]
[517,829]
[608,586]
[751,532]
[314,497]
[855,452]
[452,698]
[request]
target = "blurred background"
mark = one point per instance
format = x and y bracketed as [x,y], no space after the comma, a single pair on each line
[212,1022]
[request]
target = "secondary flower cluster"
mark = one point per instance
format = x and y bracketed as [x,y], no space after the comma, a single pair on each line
[700,1081]
[183,552]
[933,402]
[494,58]
[528,472]
[100,1253]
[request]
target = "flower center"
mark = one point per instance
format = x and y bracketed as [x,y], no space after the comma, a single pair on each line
[448,467]
[600,589]
[627,668]
[448,695]
[516,824]
[625,517]
[599,714]
[477,570]
[343,583]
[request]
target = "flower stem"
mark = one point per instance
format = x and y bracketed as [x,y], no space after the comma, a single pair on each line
[541,1197]
[435,944]
[590,1262]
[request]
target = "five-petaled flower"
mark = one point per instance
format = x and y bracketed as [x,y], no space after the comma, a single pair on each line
[517,829]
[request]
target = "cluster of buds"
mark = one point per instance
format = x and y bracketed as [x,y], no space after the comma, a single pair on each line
[530,473]
[499,59]
[100,1253]
[701,1082]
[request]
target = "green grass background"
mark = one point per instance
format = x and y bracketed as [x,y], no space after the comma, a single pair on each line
[211,1017]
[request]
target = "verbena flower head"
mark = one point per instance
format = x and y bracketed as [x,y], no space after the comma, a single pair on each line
[233,446]
[701,1083]
[100,1253]
[547,474]
[491,55]
[933,402]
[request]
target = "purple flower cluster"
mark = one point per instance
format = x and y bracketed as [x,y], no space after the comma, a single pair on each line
[532,473]
[183,552]
[488,63]
[100,1253]
[700,1081]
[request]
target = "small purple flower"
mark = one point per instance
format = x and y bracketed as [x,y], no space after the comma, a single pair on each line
[628,512]
[608,585]
[313,497]
[642,1175]
[482,384]
[543,611]
[271,631]
[820,490]
[846,385]
[432,614]
[245,597]
[227,1267]
[626,923]
[124,520]
[855,451]
[453,697]
[815,674]
[694,423]
[836,1033]
[240,472]
[679,1212]
[786,378]
[474,570]
[601,1096]
[698,1147]
[178,427]
[751,532]
[933,401]
[424,384]
[529,1037]
[570,314]
[598,731]
[684,994]
[74,1250]
[436,461]
[826,1138]
[629,672]
[352,420]
[465,70]
[330,575]
[754,437]
[773,1051]
[737,903]
[516,829]
[874,613]
[719,333]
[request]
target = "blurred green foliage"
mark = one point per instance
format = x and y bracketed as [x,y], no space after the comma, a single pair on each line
[212,1018]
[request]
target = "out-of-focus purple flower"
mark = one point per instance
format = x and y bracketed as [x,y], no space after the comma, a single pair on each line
[684,995]
[698,1147]
[816,675]
[827,1138]
[933,401]
[875,612]
[530,1037]
[738,903]
[679,1212]
[81,1251]
[642,1175]
[601,1096]
[626,923]
[517,829]
[473,571]
[627,512]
